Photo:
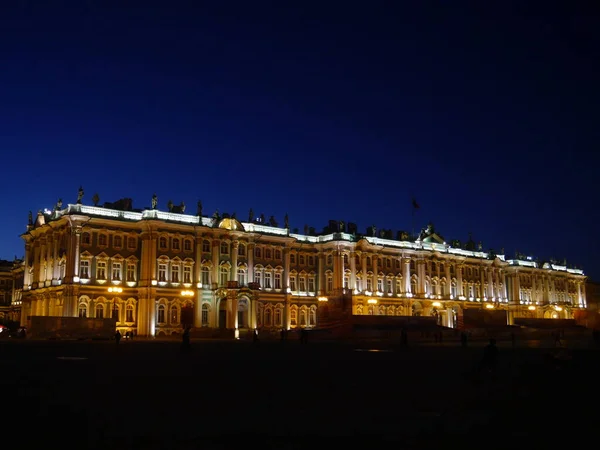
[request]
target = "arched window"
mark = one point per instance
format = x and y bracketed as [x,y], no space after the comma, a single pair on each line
[129,313]
[100,311]
[205,315]
[293,318]
[224,248]
[302,317]
[312,316]
[82,310]
[162,242]
[268,317]
[161,314]
[174,316]
[278,317]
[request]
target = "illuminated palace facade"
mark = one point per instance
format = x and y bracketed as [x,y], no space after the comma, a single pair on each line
[157,272]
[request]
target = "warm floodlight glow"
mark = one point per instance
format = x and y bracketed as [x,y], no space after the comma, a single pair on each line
[531,308]
[372,301]
[187,293]
[323,299]
[489,306]
[437,304]
[115,289]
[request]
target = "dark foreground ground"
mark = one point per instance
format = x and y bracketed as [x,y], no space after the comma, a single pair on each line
[275,395]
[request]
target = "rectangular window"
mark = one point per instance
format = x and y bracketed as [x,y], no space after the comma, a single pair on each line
[187,274]
[301,259]
[311,284]
[162,272]
[206,246]
[116,270]
[84,270]
[380,285]
[204,315]
[268,280]
[257,277]
[174,274]
[129,314]
[242,250]
[268,253]
[292,258]
[161,314]
[389,286]
[130,272]
[101,270]
[278,280]
[205,274]
[329,283]
[131,243]
[187,245]
[242,277]
[175,244]
[302,284]
[369,284]
[293,283]
[346,282]
[224,277]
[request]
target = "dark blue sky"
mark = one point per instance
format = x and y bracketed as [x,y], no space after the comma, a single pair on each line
[324,110]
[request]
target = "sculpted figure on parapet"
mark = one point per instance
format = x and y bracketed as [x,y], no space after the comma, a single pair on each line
[80,195]
[154,201]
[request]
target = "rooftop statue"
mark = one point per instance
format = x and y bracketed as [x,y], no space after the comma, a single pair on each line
[96,199]
[251,215]
[154,201]
[79,195]
[199,208]
[286,221]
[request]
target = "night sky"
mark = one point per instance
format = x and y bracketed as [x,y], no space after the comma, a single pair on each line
[488,116]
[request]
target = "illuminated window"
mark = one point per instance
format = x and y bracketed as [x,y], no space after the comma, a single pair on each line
[174,316]
[224,276]
[369,284]
[101,270]
[311,284]
[162,272]
[312,316]
[293,283]
[204,315]
[257,276]
[380,284]
[389,286]
[130,272]
[205,276]
[174,273]
[187,274]
[99,311]
[82,310]
[161,314]
[268,276]
[278,315]
[84,269]
[242,277]
[302,284]
[293,318]
[116,271]
[129,313]
[277,280]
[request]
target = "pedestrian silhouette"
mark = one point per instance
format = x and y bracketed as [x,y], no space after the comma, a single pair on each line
[118,337]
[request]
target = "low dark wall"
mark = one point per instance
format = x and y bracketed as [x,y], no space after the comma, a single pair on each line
[545,323]
[484,318]
[391,322]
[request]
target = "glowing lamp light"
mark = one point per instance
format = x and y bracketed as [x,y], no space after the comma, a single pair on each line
[558,308]
[187,293]
[115,290]
[372,301]
[531,308]
[489,306]
[322,299]
[437,304]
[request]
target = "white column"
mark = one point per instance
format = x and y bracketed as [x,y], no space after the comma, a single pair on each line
[406,275]
[352,271]
[234,259]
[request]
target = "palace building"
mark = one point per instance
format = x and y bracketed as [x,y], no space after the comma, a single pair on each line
[157,272]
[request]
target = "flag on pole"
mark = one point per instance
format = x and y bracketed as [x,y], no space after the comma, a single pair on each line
[415,204]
